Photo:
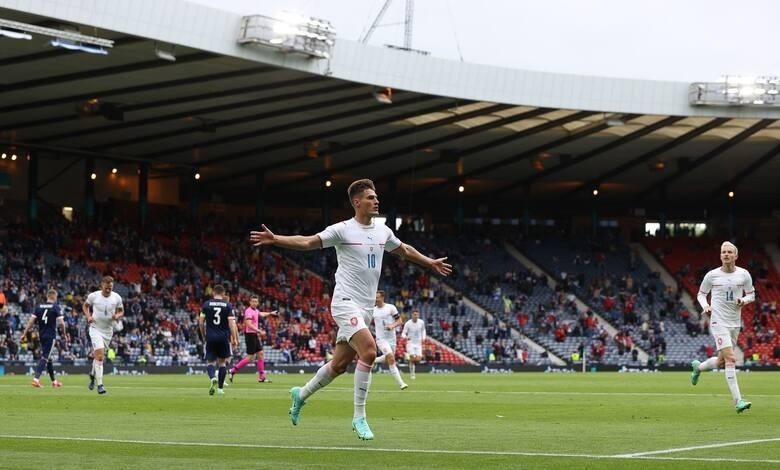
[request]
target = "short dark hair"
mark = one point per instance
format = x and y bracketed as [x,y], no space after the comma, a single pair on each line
[218,289]
[252,297]
[358,187]
[107,279]
[381,292]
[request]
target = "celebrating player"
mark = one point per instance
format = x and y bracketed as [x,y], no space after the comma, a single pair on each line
[731,288]
[414,330]
[106,313]
[386,320]
[359,244]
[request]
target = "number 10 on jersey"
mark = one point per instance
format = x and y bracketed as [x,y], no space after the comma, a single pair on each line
[372,260]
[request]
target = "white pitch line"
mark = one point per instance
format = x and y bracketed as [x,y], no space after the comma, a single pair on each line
[263,389]
[381,449]
[706,446]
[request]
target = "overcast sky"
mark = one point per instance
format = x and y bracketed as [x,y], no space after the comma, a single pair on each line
[685,40]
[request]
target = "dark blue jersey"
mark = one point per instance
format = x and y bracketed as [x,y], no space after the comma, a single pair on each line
[217,313]
[46,317]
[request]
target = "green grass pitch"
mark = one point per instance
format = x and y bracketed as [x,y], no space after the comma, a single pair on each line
[522,420]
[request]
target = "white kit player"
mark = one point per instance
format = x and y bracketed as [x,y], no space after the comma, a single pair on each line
[360,243]
[386,320]
[730,287]
[414,331]
[104,311]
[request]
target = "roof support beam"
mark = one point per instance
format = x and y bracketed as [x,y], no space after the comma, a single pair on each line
[428,143]
[514,158]
[734,182]
[594,152]
[323,135]
[647,156]
[706,157]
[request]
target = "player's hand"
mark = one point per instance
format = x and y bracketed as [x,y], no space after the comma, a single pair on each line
[263,237]
[441,267]
[90,320]
[388,327]
[739,301]
[707,310]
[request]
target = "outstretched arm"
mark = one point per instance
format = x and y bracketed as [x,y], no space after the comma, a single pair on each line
[410,253]
[292,242]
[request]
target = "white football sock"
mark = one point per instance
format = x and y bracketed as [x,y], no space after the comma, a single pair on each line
[98,366]
[709,364]
[396,375]
[323,377]
[379,359]
[731,380]
[362,384]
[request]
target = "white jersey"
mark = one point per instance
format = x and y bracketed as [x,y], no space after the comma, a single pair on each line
[103,308]
[414,330]
[384,316]
[726,288]
[359,250]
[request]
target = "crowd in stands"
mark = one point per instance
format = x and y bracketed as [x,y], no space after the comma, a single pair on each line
[166,271]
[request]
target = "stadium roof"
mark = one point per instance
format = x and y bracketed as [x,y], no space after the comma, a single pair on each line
[235,112]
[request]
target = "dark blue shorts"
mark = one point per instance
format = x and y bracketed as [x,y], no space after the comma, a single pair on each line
[218,350]
[46,346]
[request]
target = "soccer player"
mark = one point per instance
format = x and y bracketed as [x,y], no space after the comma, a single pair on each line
[218,327]
[254,343]
[414,331]
[359,244]
[386,320]
[103,310]
[47,315]
[730,287]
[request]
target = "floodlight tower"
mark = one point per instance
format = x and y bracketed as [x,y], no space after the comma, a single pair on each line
[409,16]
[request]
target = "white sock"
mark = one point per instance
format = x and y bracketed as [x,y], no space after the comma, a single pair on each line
[323,377]
[731,380]
[98,366]
[396,375]
[411,368]
[380,359]
[362,384]
[709,364]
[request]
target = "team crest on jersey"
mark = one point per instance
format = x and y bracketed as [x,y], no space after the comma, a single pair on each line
[353,321]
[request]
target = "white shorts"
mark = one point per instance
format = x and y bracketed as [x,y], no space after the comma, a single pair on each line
[385,346]
[100,339]
[725,337]
[350,318]
[414,349]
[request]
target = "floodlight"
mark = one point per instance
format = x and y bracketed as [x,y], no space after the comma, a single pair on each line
[289,32]
[736,91]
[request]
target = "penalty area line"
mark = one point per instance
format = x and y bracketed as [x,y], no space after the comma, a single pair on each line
[379,449]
